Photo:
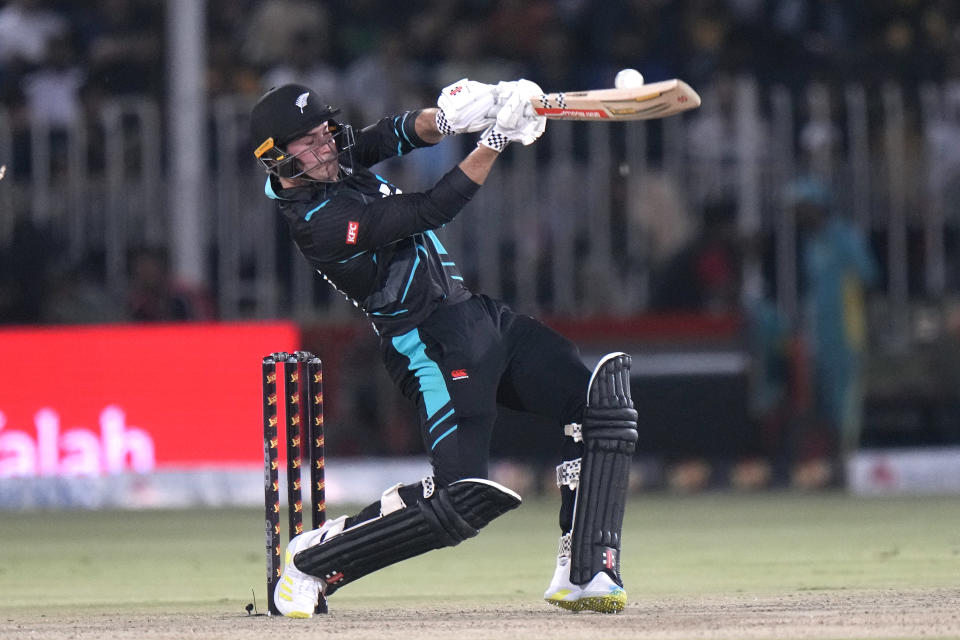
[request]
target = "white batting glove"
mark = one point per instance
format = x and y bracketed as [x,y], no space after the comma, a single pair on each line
[504,89]
[516,120]
[466,106]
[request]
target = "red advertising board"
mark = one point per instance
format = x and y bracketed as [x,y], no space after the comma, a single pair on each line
[108,399]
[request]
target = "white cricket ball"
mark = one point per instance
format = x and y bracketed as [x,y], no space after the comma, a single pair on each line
[628,78]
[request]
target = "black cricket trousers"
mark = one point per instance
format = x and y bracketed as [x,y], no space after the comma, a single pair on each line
[467,358]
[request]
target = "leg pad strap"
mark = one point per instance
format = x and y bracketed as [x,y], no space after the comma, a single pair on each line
[568,473]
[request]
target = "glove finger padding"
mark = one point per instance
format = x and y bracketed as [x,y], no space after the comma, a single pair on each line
[466,106]
[510,116]
[528,89]
[535,125]
[516,119]
[534,128]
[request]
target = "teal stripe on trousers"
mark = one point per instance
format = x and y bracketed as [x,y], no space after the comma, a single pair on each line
[432,386]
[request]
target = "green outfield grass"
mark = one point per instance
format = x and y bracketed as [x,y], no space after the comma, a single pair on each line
[673,545]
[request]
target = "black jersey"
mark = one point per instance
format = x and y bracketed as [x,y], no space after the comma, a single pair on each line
[372,242]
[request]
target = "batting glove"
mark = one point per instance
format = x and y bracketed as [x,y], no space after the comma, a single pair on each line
[516,120]
[466,106]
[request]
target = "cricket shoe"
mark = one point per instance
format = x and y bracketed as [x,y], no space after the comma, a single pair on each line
[601,594]
[296,593]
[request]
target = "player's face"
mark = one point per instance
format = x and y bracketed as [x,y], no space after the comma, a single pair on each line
[316,154]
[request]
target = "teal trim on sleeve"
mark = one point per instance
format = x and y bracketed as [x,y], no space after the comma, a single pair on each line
[403,131]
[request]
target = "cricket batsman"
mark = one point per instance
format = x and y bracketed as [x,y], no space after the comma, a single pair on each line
[454,353]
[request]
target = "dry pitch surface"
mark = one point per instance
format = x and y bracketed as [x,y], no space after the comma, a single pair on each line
[930,613]
[710,566]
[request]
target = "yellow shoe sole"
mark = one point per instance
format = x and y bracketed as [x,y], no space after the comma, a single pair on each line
[299,614]
[569,605]
[614,602]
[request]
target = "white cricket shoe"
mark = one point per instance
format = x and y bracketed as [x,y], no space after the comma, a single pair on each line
[601,594]
[296,593]
[561,591]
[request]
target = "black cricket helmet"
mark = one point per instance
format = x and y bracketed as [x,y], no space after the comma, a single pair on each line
[286,113]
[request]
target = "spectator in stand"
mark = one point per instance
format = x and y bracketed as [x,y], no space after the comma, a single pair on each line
[817,38]
[76,294]
[25,268]
[53,92]
[26,28]
[228,72]
[154,296]
[516,27]
[718,141]
[706,31]
[51,102]
[363,24]
[632,34]
[552,61]
[383,78]
[912,42]
[273,24]
[467,54]
[126,48]
[705,275]
[307,62]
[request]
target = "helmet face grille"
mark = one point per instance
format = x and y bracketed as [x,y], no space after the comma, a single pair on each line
[278,162]
[285,113]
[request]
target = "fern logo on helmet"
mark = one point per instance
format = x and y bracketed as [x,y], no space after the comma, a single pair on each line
[302,100]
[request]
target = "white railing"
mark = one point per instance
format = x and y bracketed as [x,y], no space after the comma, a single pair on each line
[573,226]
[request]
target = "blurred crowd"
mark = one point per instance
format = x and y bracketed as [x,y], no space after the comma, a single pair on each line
[58,56]
[60,59]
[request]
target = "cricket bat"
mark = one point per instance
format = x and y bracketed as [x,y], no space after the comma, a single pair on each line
[645,102]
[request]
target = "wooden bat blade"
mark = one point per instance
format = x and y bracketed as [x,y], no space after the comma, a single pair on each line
[646,102]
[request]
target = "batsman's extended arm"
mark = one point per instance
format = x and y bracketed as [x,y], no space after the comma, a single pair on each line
[476,165]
